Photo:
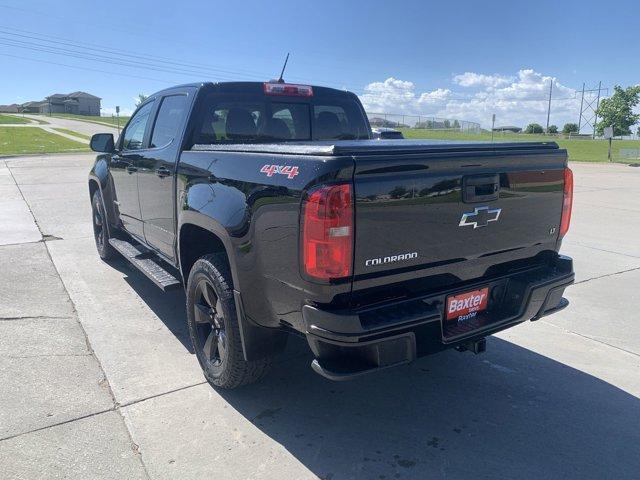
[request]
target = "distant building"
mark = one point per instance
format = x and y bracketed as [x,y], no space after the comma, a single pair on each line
[13,108]
[32,107]
[508,128]
[79,103]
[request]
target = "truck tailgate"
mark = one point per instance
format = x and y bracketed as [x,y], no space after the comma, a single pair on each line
[443,210]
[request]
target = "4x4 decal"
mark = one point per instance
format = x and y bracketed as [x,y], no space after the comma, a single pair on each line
[271,170]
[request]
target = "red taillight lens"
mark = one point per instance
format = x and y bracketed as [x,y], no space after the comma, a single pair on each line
[327,232]
[567,202]
[288,89]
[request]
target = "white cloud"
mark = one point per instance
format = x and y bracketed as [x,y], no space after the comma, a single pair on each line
[472,79]
[516,100]
[399,96]
[434,97]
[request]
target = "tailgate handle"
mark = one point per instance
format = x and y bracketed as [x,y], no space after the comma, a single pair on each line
[480,188]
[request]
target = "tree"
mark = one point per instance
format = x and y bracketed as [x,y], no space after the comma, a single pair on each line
[570,128]
[456,124]
[618,110]
[534,128]
[552,129]
[398,192]
[141,99]
[428,124]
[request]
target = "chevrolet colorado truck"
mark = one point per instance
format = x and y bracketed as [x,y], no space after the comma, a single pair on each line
[271,205]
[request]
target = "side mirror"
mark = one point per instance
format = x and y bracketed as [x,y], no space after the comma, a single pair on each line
[103,143]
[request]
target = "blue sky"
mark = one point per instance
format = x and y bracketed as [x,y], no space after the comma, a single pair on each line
[459,59]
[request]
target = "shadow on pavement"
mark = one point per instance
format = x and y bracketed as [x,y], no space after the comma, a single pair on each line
[169,306]
[508,413]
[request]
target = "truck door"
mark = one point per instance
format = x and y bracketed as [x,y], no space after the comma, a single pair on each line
[124,170]
[156,173]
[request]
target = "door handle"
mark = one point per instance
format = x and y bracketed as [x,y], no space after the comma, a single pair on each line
[163,172]
[131,169]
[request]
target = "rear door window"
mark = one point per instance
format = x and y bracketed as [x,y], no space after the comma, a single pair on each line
[169,120]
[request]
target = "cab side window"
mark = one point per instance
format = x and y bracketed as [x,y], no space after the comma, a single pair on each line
[134,134]
[169,120]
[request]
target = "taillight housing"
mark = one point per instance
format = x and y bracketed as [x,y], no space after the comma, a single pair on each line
[288,89]
[567,202]
[327,232]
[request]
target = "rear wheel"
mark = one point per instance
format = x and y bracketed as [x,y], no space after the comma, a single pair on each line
[100,227]
[213,326]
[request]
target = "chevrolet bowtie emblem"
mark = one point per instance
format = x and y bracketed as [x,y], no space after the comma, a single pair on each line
[480,217]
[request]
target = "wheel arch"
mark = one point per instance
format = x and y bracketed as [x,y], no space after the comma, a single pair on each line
[199,236]
[194,241]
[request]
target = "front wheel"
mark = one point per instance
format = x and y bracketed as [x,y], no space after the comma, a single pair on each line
[100,227]
[213,326]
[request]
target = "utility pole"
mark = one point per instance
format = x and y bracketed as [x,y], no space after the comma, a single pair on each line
[589,106]
[549,107]
[595,121]
[493,125]
[581,105]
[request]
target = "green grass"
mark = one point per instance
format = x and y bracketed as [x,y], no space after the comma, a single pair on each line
[71,132]
[24,140]
[10,119]
[109,121]
[578,150]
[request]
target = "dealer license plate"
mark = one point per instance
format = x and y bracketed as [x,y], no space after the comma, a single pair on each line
[468,304]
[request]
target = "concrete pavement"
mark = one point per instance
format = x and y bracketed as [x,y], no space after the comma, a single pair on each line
[97,379]
[86,128]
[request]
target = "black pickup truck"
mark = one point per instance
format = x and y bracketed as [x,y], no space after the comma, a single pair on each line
[279,214]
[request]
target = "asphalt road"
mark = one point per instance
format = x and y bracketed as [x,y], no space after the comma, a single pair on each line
[97,379]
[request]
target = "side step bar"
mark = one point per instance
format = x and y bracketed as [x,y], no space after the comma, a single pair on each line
[147,262]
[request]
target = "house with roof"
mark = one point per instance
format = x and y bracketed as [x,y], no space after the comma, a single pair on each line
[13,108]
[79,103]
[508,128]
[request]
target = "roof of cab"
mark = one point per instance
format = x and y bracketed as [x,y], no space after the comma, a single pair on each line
[254,87]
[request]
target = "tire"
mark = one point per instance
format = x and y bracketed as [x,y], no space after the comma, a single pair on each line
[101,228]
[213,326]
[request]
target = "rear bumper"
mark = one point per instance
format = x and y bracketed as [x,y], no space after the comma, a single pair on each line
[348,344]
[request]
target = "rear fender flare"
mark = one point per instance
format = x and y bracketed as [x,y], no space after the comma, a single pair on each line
[100,175]
[192,217]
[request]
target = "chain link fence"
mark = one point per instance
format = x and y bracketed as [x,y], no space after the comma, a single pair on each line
[625,154]
[424,122]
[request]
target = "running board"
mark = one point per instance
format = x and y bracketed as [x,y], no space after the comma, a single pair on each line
[147,262]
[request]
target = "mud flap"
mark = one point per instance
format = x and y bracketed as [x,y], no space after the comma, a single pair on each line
[257,342]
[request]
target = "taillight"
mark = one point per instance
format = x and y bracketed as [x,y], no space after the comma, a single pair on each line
[327,232]
[288,89]
[567,202]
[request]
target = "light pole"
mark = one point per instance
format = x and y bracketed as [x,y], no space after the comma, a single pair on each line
[493,125]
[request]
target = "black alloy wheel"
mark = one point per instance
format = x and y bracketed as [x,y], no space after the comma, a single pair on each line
[100,227]
[210,324]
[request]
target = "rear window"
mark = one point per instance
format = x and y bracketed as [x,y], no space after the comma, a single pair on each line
[227,118]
